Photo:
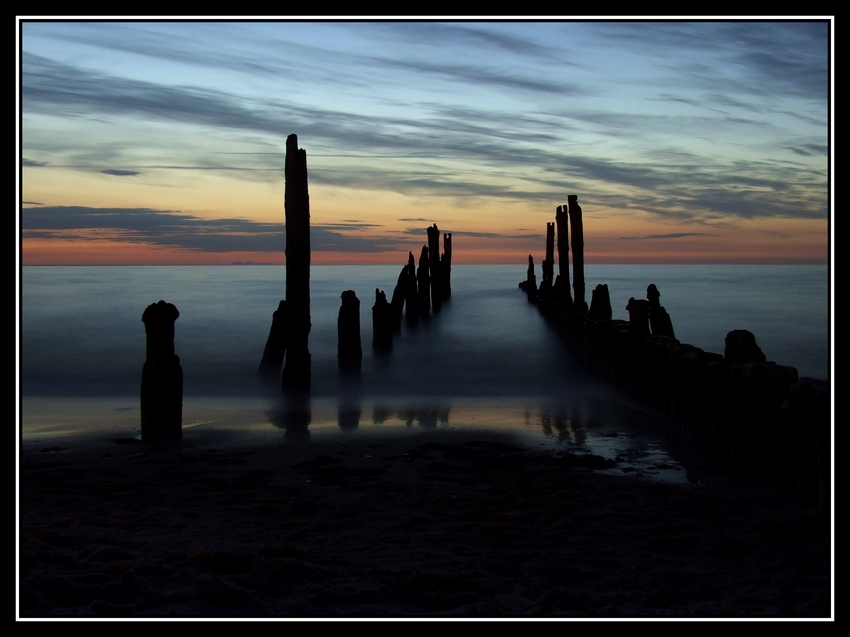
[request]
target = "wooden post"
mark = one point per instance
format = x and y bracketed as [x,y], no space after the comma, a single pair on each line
[162,376]
[446,265]
[436,269]
[578,253]
[349,350]
[423,279]
[411,297]
[548,266]
[562,227]
[296,203]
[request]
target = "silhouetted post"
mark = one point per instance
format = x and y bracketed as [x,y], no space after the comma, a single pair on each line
[397,302]
[436,268]
[600,304]
[275,350]
[349,351]
[548,266]
[162,376]
[423,280]
[577,231]
[659,319]
[296,203]
[382,323]
[638,316]
[446,265]
[411,297]
[530,277]
[741,347]
[563,252]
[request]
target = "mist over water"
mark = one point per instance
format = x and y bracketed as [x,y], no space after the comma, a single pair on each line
[82,333]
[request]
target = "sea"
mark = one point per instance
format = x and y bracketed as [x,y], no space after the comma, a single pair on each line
[486,360]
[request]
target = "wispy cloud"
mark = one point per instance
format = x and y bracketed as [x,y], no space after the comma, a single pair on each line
[117,172]
[687,122]
[671,235]
[175,229]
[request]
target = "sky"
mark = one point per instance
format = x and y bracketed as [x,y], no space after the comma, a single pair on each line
[162,142]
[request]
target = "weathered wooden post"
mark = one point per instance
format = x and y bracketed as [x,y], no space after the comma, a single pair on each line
[411,296]
[162,376]
[398,298]
[446,265]
[349,350]
[423,280]
[577,232]
[530,283]
[563,253]
[296,202]
[436,268]
[548,266]
[382,323]
[659,319]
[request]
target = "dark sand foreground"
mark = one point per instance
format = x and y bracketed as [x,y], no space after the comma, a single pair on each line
[433,525]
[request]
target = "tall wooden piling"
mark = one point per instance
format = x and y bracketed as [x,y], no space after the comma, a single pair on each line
[446,265]
[563,250]
[423,280]
[548,266]
[577,231]
[411,297]
[435,268]
[296,203]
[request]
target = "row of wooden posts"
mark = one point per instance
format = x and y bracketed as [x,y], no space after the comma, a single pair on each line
[762,413]
[286,357]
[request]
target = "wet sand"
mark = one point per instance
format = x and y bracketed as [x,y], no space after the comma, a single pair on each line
[432,524]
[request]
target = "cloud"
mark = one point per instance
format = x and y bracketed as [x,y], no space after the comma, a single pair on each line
[32,163]
[120,173]
[672,235]
[722,157]
[178,230]
[480,235]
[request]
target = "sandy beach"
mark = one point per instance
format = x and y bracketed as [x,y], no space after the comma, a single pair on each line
[435,524]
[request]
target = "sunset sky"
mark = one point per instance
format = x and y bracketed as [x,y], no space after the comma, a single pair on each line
[163,142]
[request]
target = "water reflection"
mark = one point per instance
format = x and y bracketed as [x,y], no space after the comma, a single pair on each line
[428,417]
[293,414]
[566,427]
[348,416]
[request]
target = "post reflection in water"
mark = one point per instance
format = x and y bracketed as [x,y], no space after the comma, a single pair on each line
[348,415]
[294,416]
[568,428]
[427,417]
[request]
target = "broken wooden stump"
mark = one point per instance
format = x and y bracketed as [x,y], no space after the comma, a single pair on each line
[383,321]
[349,350]
[600,304]
[659,319]
[162,376]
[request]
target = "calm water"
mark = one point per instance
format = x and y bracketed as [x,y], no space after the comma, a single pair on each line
[82,334]
[486,361]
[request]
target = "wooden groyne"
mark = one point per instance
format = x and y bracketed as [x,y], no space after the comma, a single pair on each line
[763,413]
